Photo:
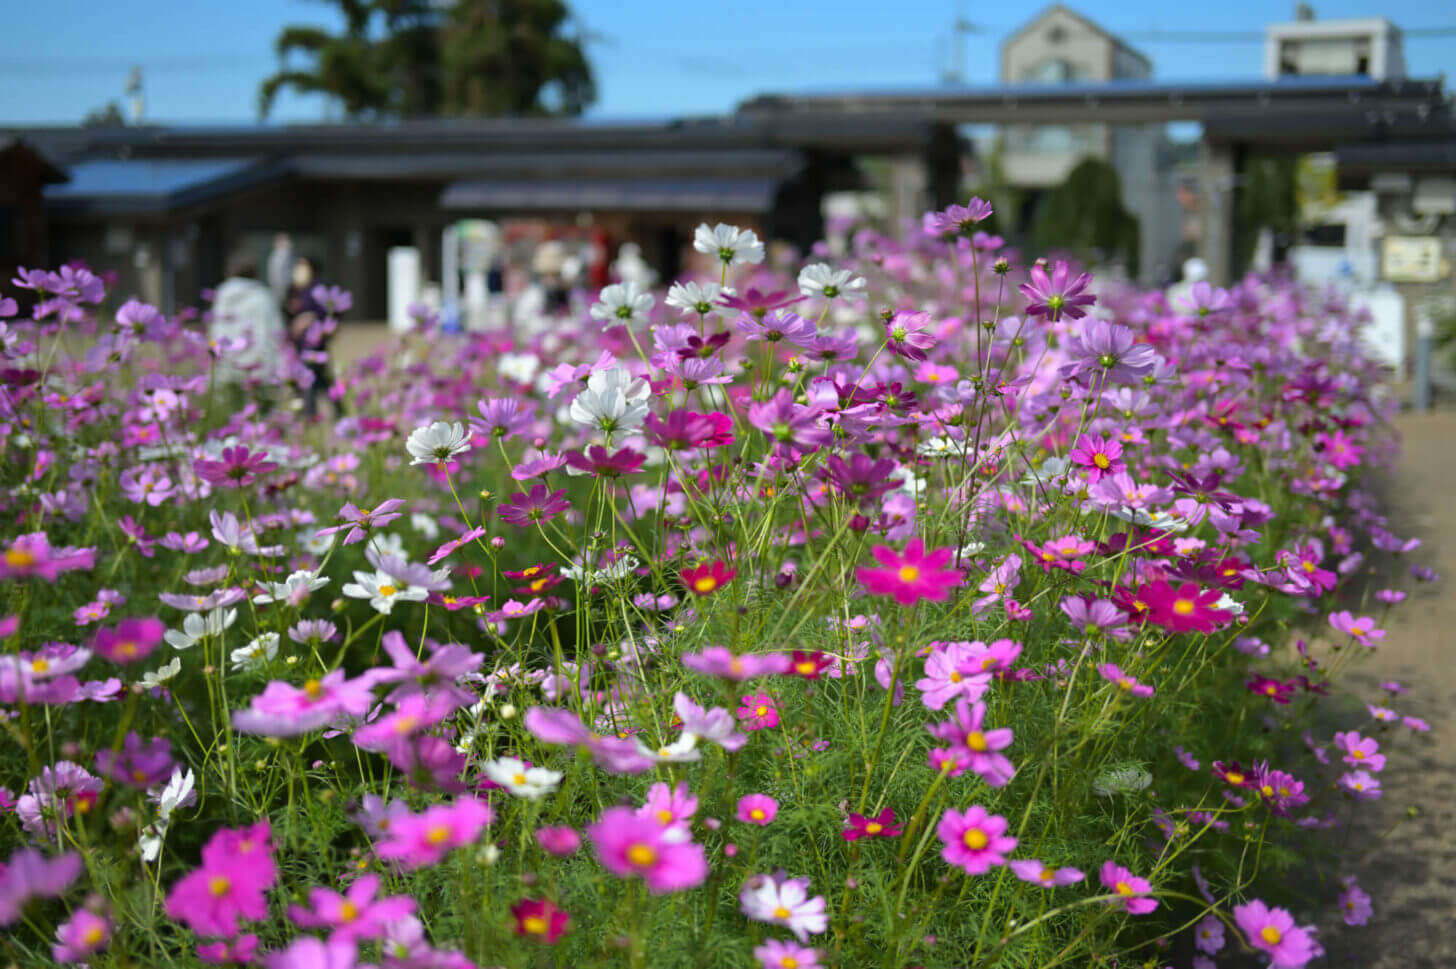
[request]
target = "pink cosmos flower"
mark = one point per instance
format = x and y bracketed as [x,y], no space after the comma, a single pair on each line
[764,898]
[311,953]
[242,951]
[559,841]
[758,712]
[1058,296]
[81,936]
[131,641]
[615,754]
[974,841]
[283,710]
[757,809]
[911,576]
[1361,629]
[1208,937]
[974,746]
[421,840]
[236,871]
[1132,892]
[237,467]
[775,954]
[669,806]
[353,916]
[627,844]
[1362,752]
[1363,786]
[707,578]
[952,670]
[1355,905]
[28,874]
[1114,674]
[881,825]
[718,661]
[1033,871]
[1098,456]
[1272,931]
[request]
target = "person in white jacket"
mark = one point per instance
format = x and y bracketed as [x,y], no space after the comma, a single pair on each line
[244,311]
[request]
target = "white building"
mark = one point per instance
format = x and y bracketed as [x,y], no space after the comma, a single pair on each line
[1369,46]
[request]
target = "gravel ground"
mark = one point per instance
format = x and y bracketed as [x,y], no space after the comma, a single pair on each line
[1410,872]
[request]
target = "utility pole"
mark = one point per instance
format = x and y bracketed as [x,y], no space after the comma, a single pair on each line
[133,91]
[960,29]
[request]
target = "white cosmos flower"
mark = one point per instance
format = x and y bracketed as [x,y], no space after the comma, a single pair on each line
[822,280]
[614,402]
[425,525]
[622,303]
[293,590]
[520,367]
[437,443]
[387,543]
[260,651]
[314,544]
[729,243]
[619,569]
[196,625]
[383,590]
[520,780]
[178,793]
[695,298]
[684,750]
[162,674]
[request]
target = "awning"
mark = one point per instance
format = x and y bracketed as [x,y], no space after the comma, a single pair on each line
[155,185]
[681,194]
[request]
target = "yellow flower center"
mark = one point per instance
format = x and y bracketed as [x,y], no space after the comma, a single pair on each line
[1358,754]
[782,913]
[955,676]
[705,583]
[1046,874]
[18,558]
[789,962]
[40,664]
[438,835]
[93,935]
[314,689]
[387,590]
[406,724]
[1234,777]
[1308,566]
[805,666]
[761,711]
[348,912]
[534,925]
[909,573]
[641,855]
[874,827]
[664,816]
[756,814]
[1101,461]
[518,779]
[1123,888]
[976,741]
[219,886]
[1271,935]
[975,839]
[126,648]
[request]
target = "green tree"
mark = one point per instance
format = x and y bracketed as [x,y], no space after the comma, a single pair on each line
[1085,214]
[1268,198]
[424,58]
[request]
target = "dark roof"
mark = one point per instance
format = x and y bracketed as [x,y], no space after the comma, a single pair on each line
[50,172]
[1128,100]
[769,162]
[155,185]
[1402,156]
[681,194]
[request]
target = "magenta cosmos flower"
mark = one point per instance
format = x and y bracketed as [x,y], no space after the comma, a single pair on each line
[775,954]
[540,504]
[83,934]
[758,712]
[1272,931]
[236,872]
[355,915]
[1098,456]
[1188,607]
[1114,674]
[959,219]
[540,919]
[1132,892]
[722,662]
[559,841]
[881,825]
[1363,752]
[975,746]
[237,467]
[628,844]
[911,576]
[974,841]
[424,839]
[28,874]
[707,578]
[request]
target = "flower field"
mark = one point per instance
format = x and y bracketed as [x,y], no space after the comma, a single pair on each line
[907,605]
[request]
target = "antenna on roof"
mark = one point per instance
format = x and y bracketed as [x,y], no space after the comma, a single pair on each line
[960,28]
[133,90]
[1303,12]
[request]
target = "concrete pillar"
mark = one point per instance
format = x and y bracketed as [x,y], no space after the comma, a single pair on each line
[1218,179]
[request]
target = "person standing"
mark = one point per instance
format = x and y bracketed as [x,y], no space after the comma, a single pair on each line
[245,315]
[310,334]
[280,267]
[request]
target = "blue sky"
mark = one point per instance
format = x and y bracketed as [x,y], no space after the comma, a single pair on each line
[654,58]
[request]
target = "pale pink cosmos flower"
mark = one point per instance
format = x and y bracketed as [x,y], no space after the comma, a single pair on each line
[627,844]
[786,903]
[1362,752]
[421,840]
[1035,872]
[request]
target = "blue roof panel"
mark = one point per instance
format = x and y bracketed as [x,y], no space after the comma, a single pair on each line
[155,185]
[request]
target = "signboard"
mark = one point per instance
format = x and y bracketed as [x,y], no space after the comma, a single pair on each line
[1413,259]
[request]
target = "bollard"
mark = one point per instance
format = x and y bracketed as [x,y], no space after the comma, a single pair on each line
[1425,336]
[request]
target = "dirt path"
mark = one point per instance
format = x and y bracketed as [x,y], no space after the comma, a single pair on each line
[1411,874]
